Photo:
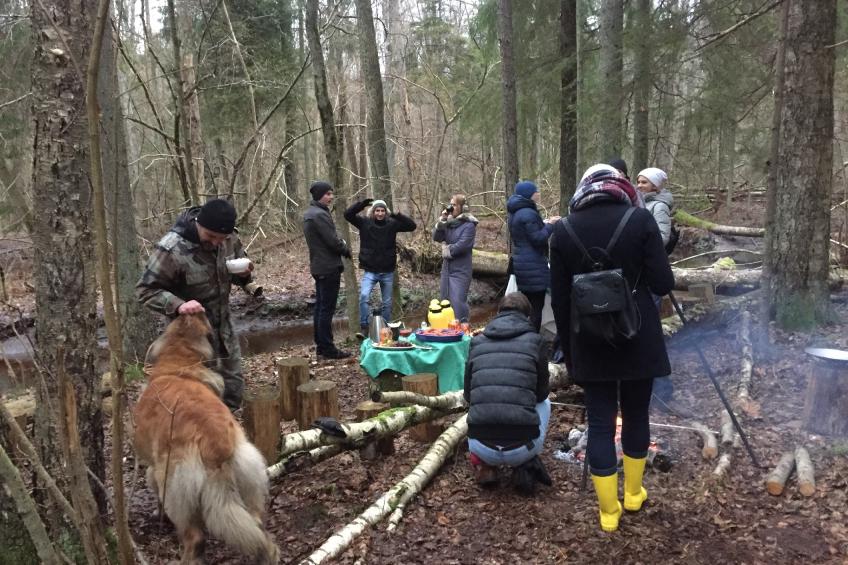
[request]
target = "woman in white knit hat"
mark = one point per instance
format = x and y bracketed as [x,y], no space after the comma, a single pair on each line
[659,202]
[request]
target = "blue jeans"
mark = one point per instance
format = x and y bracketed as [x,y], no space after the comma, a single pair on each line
[519,456]
[369,279]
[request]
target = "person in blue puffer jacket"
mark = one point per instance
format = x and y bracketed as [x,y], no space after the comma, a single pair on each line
[530,234]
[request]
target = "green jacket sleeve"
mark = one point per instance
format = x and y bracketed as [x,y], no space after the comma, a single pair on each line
[163,273]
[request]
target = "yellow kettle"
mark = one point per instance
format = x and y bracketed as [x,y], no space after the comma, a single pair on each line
[447,310]
[436,315]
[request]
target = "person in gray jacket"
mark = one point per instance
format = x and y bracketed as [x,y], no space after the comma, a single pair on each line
[658,199]
[456,231]
[659,202]
[326,250]
[506,387]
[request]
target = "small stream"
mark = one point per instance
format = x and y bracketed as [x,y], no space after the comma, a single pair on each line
[255,336]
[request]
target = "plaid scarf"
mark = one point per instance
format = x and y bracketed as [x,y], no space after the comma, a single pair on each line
[605,185]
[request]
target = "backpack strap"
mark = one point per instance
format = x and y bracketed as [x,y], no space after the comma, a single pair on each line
[613,240]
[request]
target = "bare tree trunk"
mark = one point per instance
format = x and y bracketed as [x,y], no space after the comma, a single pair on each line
[372,77]
[642,81]
[332,150]
[800,240]
[65,290]
[104,273]
[182,109]
[510,114]
[138,326]
[612,64]
[767,304]
[568,103]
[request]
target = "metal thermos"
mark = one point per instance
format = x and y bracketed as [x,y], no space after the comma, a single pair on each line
[376,326]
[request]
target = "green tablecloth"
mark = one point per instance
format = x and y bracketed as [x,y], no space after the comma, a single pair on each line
[447,360]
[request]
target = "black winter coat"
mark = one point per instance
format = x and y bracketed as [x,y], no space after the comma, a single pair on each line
[378,240]
[505,377]
[639,252]
[326,248]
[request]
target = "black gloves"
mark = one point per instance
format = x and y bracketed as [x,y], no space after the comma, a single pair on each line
[368,202]
[346,253]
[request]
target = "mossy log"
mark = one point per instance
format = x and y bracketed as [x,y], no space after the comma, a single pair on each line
[686,219]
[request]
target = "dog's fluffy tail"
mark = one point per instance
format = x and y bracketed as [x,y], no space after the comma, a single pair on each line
[232,503]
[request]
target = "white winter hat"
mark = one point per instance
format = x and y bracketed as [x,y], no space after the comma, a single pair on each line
[599,167]
[657,177]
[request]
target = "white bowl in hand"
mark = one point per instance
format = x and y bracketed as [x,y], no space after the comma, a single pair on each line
[238,266]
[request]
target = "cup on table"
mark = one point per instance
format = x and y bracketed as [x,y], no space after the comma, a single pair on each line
[466,328]
[239,266]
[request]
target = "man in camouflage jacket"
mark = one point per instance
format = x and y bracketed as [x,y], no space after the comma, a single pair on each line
[187,273]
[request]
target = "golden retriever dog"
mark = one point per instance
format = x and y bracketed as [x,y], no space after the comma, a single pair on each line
[204,470]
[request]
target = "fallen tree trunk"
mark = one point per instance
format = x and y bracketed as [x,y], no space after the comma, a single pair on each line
[358,434]
[447,401]
[402,492]
[686,219]
[776,480]
[710,449]
[684,278]
[806,472]
[303,460]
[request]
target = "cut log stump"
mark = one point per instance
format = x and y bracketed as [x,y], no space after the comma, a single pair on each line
[316,399]
[826,403]
[428,385]
[262,417]
[383,446]
[292,372]
[806,472]
[776,480]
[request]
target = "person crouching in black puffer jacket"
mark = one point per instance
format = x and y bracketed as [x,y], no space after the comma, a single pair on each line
[506,387]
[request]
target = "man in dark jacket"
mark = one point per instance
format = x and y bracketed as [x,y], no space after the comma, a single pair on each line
[326,250]
[187,273]
[377,251]
[506,387]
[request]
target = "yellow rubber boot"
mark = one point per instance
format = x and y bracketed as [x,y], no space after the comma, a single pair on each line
[634,493]
[610,508]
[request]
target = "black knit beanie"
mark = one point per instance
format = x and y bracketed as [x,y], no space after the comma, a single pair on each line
[319,188]
[619,164]
[217,215]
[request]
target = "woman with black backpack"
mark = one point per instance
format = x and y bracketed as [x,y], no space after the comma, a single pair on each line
[607,258]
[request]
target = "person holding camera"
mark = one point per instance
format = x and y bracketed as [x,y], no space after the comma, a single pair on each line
[191,270]
[456,231]
[377,252]
[609,232]
[326,250]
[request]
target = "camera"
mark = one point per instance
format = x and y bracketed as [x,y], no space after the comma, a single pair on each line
[449,208]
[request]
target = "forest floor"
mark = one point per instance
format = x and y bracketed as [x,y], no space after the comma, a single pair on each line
[689,516]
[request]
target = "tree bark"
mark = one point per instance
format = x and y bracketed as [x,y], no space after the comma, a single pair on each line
[642,81]
[138,326]
[65,290]
[332,151]
[372,77]
[510,114]
[568,103]
[800,241]
[611,67]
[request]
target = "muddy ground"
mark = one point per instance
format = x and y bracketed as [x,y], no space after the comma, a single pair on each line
[689,516]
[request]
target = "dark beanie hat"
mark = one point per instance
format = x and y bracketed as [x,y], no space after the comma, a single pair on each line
[217,215]
[319,188]
[619,164]
[526,188]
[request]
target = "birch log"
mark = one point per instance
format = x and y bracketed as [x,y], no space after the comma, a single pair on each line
[685,219]
[723,466]
[806,473]
[299,461]
[390,422]
[402,492]
[747,360]
[728,432]
[447,401]
[776,480]
[710,449]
